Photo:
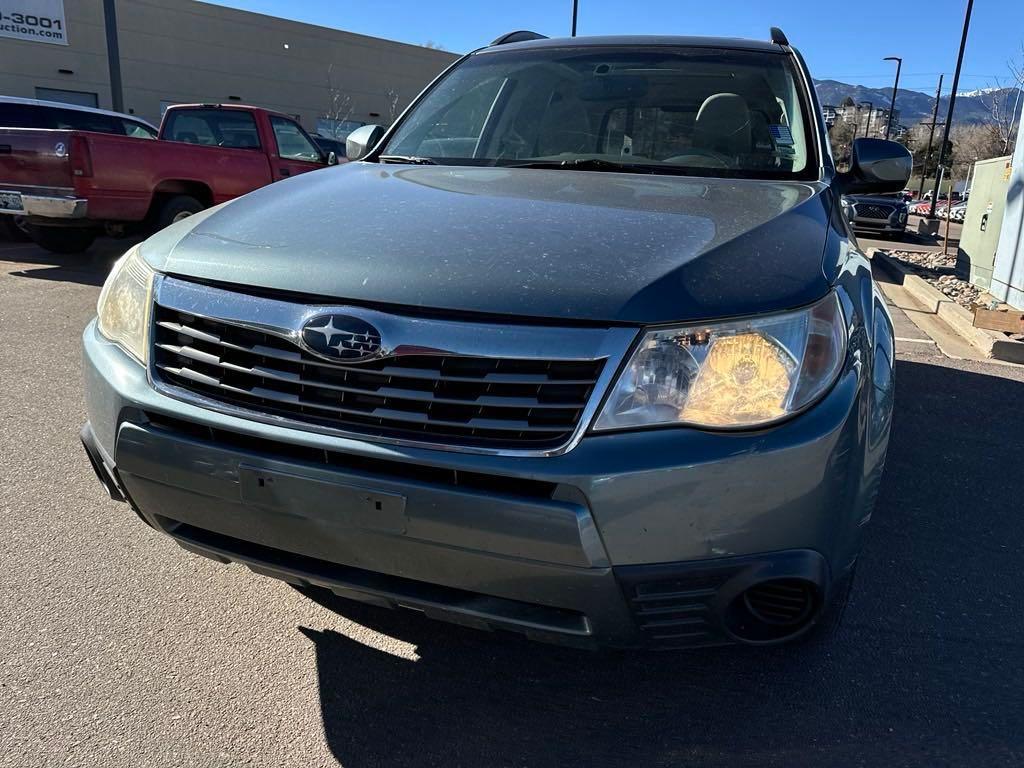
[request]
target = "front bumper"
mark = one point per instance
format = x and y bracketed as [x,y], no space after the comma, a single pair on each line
[893,225]
[628,539]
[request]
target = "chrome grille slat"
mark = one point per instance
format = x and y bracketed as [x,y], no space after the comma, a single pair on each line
[386,371]
[509,401]
[389,414]
[493,400]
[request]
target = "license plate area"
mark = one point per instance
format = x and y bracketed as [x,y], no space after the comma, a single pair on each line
[324,501]
[11,201]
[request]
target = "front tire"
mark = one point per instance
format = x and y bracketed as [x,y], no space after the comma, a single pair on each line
[177,208]
[63,240]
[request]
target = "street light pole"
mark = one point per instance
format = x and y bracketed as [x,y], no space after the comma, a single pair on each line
[952,101]
[895,87]
[575,9]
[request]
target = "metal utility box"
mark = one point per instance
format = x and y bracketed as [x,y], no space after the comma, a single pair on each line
[1008,274]
[983,221]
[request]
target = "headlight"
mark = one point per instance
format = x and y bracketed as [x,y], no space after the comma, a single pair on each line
[124,305]
[730,375]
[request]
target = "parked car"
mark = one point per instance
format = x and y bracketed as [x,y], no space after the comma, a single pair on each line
[883,214]
[924,207]
[588,358]
[329,145]
[956,211]
[205,154]
[35,113]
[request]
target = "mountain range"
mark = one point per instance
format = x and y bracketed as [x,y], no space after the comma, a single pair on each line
[916,107]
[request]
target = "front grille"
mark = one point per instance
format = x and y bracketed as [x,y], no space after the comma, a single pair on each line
[450,399]
[872,211]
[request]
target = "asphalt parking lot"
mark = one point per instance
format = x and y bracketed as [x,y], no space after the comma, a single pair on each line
[120,649]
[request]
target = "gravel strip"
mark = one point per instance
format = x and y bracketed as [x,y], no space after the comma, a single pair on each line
[938,269]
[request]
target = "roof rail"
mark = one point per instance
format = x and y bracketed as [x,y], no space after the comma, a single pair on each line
[779,37]
[518,37]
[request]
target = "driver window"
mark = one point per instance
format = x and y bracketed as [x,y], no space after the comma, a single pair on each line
[292,143]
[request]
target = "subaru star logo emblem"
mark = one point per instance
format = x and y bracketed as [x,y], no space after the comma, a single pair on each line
[342,338]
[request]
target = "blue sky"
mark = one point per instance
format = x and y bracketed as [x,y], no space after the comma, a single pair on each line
[841,39]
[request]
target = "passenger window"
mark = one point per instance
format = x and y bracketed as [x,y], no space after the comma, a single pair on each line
[24,116]
[73,120]
[292,143]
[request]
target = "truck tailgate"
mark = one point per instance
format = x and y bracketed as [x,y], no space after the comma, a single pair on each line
[32,158]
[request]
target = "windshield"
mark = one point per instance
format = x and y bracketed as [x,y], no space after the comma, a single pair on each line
[664,110]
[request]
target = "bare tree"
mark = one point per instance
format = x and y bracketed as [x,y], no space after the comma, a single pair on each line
[1003,101]
[972,143]
[392,96]
[434,46]
[339,106]
[841,136]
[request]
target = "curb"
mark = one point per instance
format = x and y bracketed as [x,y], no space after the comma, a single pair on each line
[989,343]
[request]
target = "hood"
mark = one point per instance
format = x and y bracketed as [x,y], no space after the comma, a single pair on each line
[561,244]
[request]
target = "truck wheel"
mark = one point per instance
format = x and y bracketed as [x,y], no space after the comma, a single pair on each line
[177,208]
[62,239]
[15,229]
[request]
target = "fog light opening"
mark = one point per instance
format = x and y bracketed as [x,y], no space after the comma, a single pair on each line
[773,611]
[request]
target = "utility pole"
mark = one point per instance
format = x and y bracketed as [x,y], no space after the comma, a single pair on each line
[896,85]
[952,102]
[113,56]
[575,9]
[931,135]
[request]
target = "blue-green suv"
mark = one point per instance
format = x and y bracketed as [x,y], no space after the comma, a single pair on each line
[581,347]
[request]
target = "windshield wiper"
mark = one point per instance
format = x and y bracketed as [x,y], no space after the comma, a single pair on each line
[585,164]
[411,159]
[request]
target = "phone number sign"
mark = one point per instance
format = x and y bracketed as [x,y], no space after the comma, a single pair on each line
[39,21]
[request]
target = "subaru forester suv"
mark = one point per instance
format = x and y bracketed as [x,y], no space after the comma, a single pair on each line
[581,348]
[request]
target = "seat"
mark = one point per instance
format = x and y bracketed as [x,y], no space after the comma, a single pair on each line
[723,125]
[564,129]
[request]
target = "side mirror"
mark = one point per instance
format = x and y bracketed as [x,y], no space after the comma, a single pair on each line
[876,165]
[362,140]
[332,159]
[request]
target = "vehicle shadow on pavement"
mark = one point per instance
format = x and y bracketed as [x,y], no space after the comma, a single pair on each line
[927,668]
[89,268]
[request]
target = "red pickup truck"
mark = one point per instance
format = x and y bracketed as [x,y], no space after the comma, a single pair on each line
[73,185]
